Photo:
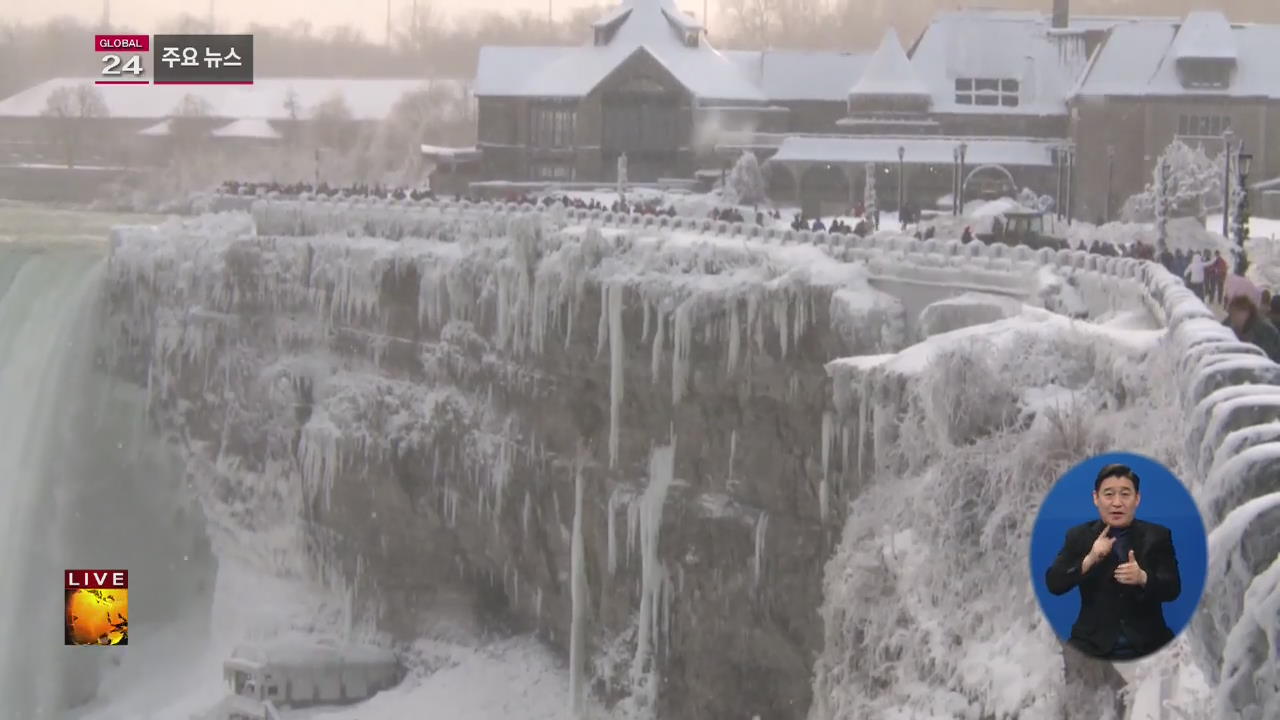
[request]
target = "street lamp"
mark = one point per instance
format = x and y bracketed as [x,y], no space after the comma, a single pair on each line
[1111,164]
[902,152]
[1244,161]
[1227,137]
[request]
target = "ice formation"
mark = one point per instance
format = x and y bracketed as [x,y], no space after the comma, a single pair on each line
[578,600]
[917,426]
[654,616]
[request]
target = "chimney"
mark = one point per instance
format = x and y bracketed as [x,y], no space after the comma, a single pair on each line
[1061,13]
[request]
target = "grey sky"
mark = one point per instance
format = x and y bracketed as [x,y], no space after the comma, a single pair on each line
[367,15]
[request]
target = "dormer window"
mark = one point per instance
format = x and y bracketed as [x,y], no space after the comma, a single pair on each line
[1204,73]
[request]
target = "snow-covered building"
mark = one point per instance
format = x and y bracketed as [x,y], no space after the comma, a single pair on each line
[651,86]
[269,105]
[1155,80]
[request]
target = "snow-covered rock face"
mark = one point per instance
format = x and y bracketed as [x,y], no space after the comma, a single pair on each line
[954,441]
[415,401]
[404,416]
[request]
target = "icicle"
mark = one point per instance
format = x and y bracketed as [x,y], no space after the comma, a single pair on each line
[617,361]
[659,343]
[781,315]
[762,526]
[578,598]
[735,338]
[683,339]
[828,438]
[515,588]
[844,450]
[633,528]
[611,534]
[644,332]
[602,330]
[733,450]
[755,320]
[653,598]
[802,319]
[537,603]
[864,418]
[524,515]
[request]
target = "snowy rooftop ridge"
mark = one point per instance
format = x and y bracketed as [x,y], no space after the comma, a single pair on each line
[366,98]
[890,72]
[653,27]
[1205,35]
[1141,59]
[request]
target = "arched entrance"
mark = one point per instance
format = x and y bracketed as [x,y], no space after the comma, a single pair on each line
[824,190]
[989,182]
[780,183]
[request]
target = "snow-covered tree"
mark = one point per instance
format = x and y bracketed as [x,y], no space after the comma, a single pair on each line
[71,111]
[1162,206]
[869,195]
[331,123]
[1194,185]
[746,182]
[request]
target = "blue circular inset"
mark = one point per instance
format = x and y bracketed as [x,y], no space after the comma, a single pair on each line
[1162,500]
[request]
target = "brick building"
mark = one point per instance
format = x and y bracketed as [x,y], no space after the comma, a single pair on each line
[1156,80]
[1036,99]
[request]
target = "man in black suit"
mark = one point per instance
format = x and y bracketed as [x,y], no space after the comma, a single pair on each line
[1125,568]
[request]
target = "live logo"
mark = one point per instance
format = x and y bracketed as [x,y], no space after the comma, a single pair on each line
[97,579]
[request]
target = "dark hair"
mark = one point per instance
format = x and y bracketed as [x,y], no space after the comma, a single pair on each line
[1241,302]
[1117,470]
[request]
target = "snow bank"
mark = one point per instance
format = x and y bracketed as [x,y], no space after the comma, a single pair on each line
[1009,404]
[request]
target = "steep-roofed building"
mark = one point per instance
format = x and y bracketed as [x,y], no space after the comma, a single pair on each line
[646,86]
[1156,80]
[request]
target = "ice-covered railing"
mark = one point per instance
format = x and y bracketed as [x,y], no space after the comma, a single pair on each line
[1099,279]
[1228,390]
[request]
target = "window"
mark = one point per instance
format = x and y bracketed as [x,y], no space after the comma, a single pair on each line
[1203,125]
[990,92]
[1204,74]
[551,127]
[552,172]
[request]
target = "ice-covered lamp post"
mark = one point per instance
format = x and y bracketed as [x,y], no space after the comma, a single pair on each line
[902,153]
[1227,137]
[1162,207]
[1240,220]
[1111,166]
[955,181]
[963,151]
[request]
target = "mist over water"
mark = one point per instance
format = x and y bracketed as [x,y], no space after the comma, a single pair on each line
[84,483]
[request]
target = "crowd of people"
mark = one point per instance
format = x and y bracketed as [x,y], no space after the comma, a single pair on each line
[237,187]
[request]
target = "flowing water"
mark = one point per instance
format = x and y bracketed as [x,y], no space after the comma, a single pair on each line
[84,481]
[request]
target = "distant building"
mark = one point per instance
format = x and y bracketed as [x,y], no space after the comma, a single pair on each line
[1036,99]
[243,116]
[1155,80]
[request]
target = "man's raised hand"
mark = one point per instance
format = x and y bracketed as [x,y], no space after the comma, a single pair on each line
[1101,546]
[1128,573]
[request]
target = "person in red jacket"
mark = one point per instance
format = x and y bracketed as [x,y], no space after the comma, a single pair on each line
[1217,277]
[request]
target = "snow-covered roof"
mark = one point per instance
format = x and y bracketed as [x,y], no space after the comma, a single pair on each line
[368,99]
[291,653]
[251,128]
[919,150]
[785,75]
[160,129]
[1003,44]
[1140,59]
[656,27]
[889,72]
[461,154]
[1205,35]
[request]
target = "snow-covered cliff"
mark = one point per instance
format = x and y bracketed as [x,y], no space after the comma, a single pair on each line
[620,432]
